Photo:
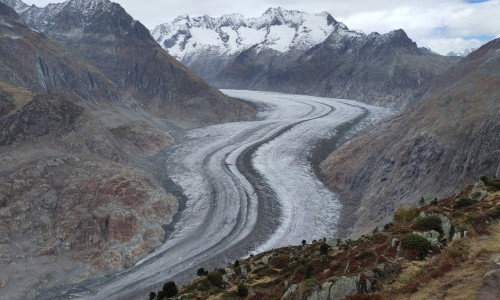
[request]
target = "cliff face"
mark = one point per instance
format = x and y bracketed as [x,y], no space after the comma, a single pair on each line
[448,139]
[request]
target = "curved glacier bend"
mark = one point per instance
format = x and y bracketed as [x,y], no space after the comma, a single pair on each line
[249,187]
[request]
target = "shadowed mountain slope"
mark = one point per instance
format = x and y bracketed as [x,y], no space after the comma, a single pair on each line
[448,139]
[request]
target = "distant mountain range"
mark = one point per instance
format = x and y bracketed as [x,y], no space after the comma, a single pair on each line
[296,52]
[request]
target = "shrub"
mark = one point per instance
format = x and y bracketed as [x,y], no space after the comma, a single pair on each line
[309,271]
[236,263]
[215,278]
[405,215]
[495,213]
[170,289]
[388,226]
[160,295]
[304,272]
[203,285]
[304,242]
[201,272]
[416,243]
[323,249]
[463,202]
[434,201]
[429,223]
[152,295]
[242,290]
[493,184]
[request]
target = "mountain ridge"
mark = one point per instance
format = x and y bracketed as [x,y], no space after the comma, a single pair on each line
[302,53]
[104,35]
[452,133]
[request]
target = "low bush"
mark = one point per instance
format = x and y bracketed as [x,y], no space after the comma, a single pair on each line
[323,249]
[491,183]
[415,242]
[203,285]
[242,290]
[428,223]
[201,272]
[495,213]
[388,226]
[215,278]
[463,202]
[170,289]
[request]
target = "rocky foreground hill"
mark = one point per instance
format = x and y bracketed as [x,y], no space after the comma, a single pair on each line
[84,118]
[295,52]
[451,137]
[448,248]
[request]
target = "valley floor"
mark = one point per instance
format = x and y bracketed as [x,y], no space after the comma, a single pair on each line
[249,188]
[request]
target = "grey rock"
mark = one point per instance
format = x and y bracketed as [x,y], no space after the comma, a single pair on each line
[445,226]
[290,291]
[478,192]
[432,236]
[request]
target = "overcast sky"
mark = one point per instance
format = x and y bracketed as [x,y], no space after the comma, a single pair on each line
[442,25]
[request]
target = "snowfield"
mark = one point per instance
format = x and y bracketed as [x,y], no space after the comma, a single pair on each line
[249,188]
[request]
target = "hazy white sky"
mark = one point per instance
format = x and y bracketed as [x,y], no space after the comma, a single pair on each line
[442,25]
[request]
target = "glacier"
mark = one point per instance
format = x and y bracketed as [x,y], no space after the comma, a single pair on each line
[249,188]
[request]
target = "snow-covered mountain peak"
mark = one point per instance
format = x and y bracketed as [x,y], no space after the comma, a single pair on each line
[462,53]
[277,29]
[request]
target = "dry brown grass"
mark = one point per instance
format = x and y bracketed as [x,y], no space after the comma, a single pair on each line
[21,95]
[465,280]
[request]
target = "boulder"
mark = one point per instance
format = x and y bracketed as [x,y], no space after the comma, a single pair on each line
[478,192]
[432,236]
[445,226]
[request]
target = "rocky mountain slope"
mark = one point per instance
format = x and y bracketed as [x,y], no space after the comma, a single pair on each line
[104,35]
[30,60]
[446,249]
[300,53]
[83,190]
[451,137]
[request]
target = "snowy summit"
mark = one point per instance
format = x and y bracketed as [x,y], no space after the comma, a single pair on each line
[277,29]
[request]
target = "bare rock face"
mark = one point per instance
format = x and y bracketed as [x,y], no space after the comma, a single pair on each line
[104,214]
[68,195]
[448,140]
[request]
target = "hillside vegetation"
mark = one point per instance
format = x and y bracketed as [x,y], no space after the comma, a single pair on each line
[443,249]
